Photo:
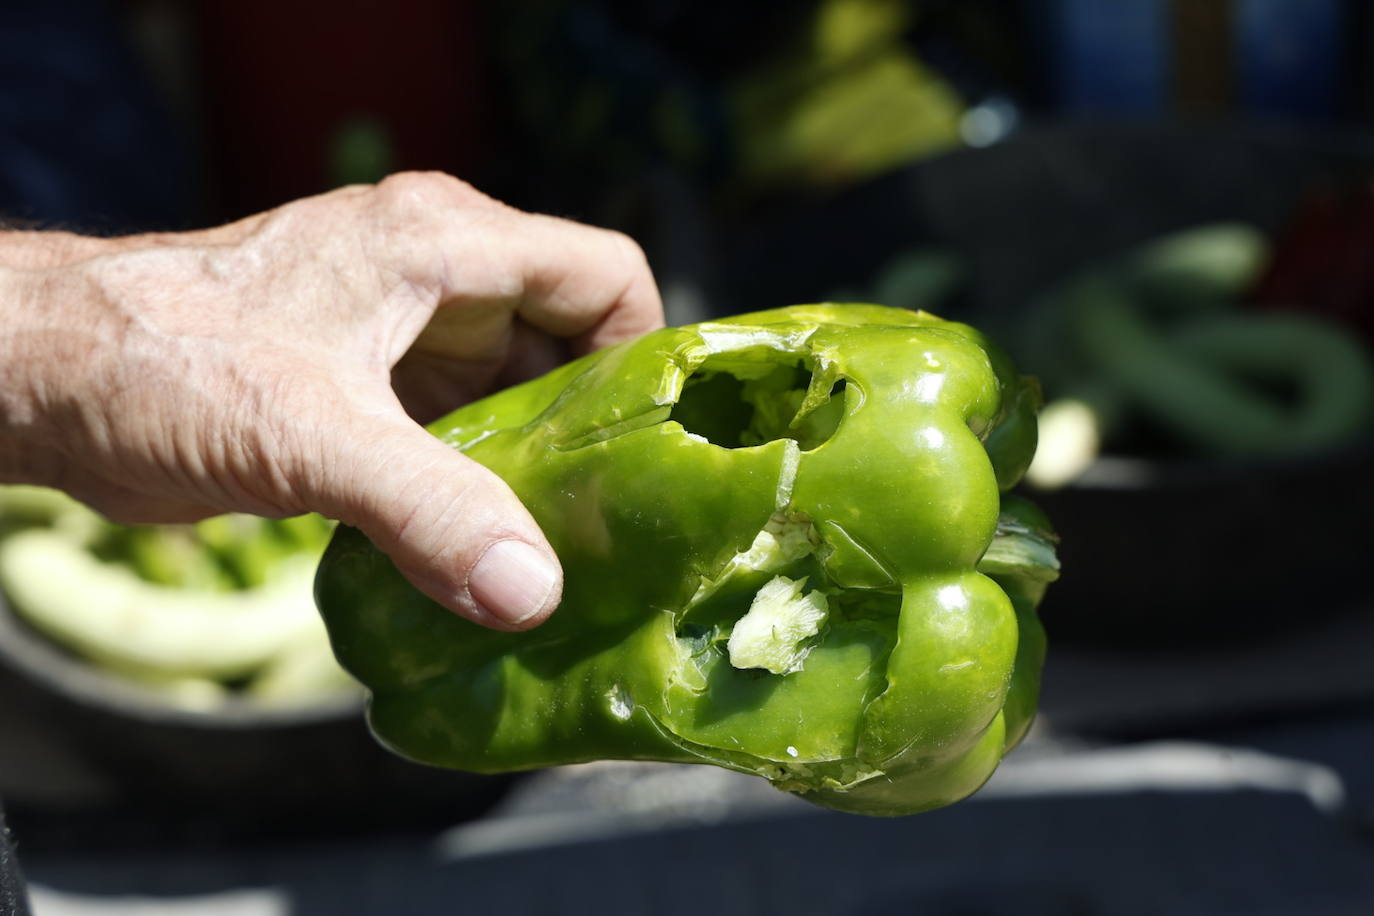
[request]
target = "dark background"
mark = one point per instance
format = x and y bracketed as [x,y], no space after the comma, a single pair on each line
[1211,609]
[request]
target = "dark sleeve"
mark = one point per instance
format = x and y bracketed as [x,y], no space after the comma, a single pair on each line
[13,900]
[86,142]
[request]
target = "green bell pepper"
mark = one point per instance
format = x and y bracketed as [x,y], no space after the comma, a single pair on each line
[786,553]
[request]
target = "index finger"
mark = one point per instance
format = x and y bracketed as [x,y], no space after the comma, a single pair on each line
[565,278]
[589,284]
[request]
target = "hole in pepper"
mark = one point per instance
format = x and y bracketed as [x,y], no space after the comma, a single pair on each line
[735,406]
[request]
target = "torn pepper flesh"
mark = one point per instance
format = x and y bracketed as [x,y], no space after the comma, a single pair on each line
[830,478]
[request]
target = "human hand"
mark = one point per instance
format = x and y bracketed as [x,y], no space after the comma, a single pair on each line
[278,365]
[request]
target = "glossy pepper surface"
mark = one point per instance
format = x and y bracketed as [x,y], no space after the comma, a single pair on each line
[786,552]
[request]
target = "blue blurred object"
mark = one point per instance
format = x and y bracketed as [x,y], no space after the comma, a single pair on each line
[1104,57]
[1288,57]
[84,140]
[1274,57]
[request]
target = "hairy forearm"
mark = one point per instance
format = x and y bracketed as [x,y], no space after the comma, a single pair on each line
[59,335]
[37,304]
[46,312]
[82,368]
[19,311]
[35,250]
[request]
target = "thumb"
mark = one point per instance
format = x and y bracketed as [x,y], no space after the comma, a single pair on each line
[452,527]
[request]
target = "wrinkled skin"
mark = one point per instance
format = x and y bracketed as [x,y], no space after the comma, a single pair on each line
[278,365]
[651,467]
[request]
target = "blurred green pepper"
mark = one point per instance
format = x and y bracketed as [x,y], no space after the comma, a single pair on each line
[772,528]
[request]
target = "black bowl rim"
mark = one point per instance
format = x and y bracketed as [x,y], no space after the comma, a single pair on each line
[48,666]
[1116,472]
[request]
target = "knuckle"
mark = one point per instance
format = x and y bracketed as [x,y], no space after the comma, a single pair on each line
[630,251]
[423,190]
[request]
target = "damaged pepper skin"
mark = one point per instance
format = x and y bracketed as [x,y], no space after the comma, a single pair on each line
[863,449]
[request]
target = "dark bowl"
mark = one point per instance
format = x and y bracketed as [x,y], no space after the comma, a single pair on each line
[237,769]
[1173,553]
